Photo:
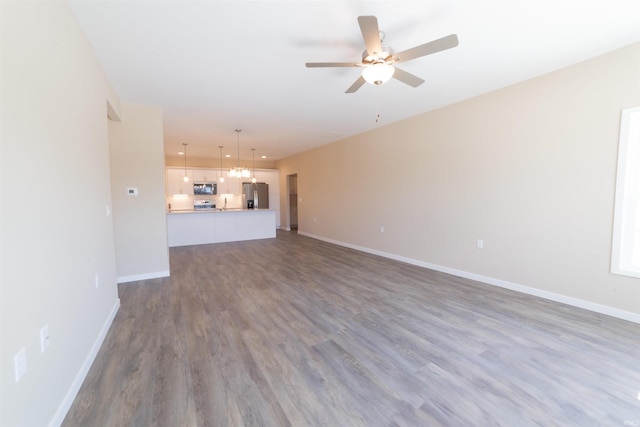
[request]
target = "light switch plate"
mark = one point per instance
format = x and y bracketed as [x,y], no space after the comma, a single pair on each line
[20,363]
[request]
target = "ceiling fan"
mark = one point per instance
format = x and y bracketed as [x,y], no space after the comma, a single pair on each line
[378,60]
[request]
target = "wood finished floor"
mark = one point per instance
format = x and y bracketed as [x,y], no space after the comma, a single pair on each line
[296,332]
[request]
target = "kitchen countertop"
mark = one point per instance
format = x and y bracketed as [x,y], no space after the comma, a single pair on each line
[216,210]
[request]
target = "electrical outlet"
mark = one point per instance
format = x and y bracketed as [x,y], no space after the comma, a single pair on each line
[20,363]
[96,279]
[479,243]
[132,191]
[382,229]
[44,338]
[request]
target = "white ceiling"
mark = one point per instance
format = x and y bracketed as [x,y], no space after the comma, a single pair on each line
[217,66]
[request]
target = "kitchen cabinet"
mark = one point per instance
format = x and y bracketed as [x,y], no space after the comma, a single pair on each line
[205,175]
[226,226]
[231,186]
[175,182]
[260,226]
[271,177]
[198,228]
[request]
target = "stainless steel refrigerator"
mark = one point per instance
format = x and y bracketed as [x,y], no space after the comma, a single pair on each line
[255,196]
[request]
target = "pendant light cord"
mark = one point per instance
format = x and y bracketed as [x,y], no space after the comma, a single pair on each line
[221,179]
[185,158]
[238,132]
[253,164]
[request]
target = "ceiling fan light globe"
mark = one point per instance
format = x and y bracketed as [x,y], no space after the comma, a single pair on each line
[377,74]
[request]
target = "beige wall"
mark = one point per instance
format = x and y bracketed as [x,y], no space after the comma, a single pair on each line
[530,169]
[137,160]
[214,163]
[55,191]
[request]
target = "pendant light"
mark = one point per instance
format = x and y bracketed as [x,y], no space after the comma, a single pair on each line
[253,158]
[221,177]
[186,178]
[238,172]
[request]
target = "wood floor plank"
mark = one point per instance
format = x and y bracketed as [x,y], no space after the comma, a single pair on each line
[293,331]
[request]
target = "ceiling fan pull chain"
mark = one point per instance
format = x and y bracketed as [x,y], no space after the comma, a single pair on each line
[378,104]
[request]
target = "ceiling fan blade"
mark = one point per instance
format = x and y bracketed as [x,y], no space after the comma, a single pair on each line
[406,77]
[356,85]
[427,49]
[331,64]
[370,33]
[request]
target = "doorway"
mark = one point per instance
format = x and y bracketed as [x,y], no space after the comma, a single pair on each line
[292,194]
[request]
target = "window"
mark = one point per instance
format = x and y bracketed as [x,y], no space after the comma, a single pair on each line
[625,257]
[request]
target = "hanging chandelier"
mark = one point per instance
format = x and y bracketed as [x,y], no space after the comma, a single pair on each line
[238,172]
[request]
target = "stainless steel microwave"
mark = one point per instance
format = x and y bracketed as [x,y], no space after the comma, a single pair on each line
[205,188]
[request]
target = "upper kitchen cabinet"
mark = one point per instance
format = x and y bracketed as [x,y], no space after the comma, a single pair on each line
[271,177]
[175,182]
[205,175]
[230,185]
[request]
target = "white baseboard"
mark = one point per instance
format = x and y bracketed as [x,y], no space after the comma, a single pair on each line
[587,305]
[64,407]
[136,277]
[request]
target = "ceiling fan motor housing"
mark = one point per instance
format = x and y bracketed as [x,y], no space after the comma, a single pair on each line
[377,57]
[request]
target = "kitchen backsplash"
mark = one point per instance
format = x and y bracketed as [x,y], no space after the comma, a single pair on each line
[185,202]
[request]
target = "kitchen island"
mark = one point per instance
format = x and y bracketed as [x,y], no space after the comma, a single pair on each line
[199,227]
